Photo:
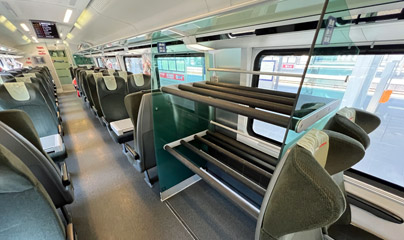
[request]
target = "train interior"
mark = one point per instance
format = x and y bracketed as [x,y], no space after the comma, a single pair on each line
[230,119]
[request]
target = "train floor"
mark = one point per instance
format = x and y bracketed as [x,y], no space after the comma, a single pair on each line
[112,201]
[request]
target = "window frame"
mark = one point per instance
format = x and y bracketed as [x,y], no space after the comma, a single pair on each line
[363,50]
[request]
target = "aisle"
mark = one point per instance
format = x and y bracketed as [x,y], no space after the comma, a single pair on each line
[112,200]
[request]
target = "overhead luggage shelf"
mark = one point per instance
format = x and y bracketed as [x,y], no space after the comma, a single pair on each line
[184,90]
[270,106]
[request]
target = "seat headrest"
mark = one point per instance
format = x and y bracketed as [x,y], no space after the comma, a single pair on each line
[301,195]
[110,82]
[18,91]
[25,79]
[354,123]
[29,74]
[123,74]
[139,79]
[97,75]
[88,72]
[366,120]
[111,71]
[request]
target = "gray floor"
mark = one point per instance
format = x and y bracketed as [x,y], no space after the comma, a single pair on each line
[113,202]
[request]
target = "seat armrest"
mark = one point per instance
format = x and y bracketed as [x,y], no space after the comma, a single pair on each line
[132,152]
[65,175]
[70,232]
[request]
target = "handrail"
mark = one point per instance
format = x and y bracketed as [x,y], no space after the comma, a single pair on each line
[281,74]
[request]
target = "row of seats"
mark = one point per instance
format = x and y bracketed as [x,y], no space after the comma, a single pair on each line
[122,101]
[34,92]
[34,188]
[307,198]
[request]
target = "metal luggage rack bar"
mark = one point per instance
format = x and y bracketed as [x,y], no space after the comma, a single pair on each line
[274,107]
[260,163]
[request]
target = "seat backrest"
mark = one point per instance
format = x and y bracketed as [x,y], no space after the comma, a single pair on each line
[92,88]
[122,74]
[21,138]
[138,82]
[144,144]
[27,97]
[84,84]
[38,83]
[354,123]
[111,93]
[27,212]
[301,195]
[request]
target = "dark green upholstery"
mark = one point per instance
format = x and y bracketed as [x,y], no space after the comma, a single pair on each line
[112,101]
[301,196]
[24,143]
[92,88]
[132,104]
[133,87]
[358,127]
[20,122]
[36,107]
[26,209]
[343,153]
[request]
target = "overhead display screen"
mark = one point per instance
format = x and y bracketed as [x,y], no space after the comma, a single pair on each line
[45,29]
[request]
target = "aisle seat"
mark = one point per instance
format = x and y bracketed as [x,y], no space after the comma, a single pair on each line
[19,136]
[302,198]
[27,211]
[141,152]
[111,93]
[123,74]
[92,88]
[28,98]
[138,82]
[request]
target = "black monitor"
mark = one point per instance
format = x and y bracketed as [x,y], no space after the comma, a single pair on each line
[44,29]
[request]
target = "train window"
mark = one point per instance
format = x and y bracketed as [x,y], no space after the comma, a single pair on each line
[108,62]
[133,64]
[372,82]
[174,69]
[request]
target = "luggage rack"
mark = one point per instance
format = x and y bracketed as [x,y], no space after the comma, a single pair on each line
[274,107]
[252,168]
[258,162]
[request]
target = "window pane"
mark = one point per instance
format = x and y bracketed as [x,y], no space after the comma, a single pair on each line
[175,70]
[374,83]
[134,65]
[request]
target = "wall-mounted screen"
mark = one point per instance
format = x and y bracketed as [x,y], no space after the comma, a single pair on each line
[45,29]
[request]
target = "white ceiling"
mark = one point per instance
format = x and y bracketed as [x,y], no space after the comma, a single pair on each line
[22,11]
[111,20]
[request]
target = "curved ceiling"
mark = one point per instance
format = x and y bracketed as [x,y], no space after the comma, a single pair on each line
[111,20]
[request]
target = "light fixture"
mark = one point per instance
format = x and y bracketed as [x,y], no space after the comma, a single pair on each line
[77,25]
[25,37]
[61,34]
[198,47]
[66,43]
[57,42]
[68,14]
[10,26]
[2,19]
[24,27]
[35,39]
[69,36]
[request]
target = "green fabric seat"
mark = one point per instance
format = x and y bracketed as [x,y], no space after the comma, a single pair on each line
[26,209]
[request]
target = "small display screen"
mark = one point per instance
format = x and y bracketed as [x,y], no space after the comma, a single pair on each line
[45,29]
